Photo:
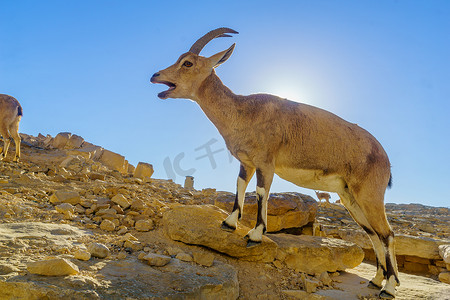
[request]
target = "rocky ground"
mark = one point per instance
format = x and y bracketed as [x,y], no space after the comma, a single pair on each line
[78,221]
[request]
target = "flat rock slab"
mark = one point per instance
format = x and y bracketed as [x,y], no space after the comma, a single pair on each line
[201,225]
[130,279]
[20,235]
[284,210]
[424,247]
[314,255]
[176,280]
[420,246]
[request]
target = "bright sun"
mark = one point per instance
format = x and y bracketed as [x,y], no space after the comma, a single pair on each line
[288,90]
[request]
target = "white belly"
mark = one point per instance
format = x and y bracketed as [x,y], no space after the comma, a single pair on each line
[312,179]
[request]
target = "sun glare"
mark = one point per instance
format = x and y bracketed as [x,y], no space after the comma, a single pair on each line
[290,91]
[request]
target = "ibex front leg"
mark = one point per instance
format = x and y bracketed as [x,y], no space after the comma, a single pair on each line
[245,174]
[263,181]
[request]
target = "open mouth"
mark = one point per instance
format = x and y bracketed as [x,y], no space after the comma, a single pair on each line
[165,94]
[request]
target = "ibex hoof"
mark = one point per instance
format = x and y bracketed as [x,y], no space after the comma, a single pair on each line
[227,227]
[251,243]
[373,286]
[386,295]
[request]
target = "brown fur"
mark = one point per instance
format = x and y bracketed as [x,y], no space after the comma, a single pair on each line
[303,144]
[10,116]
[323,196]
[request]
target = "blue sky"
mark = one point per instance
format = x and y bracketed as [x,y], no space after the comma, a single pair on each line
[84,67]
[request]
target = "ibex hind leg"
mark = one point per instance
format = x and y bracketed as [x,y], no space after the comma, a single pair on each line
[6,141]
[371,204]
[16,137]
[357,214]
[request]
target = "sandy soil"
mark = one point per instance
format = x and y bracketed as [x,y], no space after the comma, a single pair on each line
[353,285]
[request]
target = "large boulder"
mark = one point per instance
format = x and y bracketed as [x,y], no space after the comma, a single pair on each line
[356,236]
[201,225]
[53,267]
[143,170]
[67,140]
[444,252]
[423,247]
[74,142]
[65,196]
[314,255]
[61,140]
[284,210]
[114,161]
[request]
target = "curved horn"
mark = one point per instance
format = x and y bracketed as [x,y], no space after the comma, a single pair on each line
[201,42]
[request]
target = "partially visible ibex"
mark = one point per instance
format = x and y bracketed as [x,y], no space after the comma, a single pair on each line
[323,196]
[306,145]
[10,115]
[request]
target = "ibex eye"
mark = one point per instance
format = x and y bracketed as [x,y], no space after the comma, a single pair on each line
[187,64]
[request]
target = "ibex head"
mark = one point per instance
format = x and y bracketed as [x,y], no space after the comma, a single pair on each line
[185,76]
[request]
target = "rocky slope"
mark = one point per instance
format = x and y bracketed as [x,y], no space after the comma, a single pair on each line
[78,221]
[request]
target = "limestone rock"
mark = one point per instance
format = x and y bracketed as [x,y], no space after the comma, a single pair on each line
[61,140]
[137,205]
[310,284]
[359,237]
[96,176]
[422,247]
[7,268]
[285,210]
[144,225]
[121,200]
[65,196]
[75,163]
[444,252]
[66,209]
[74,142]
[133,245]
[201,225]
[131,169]
[204,258]
[82,255]
[122,230]
[130,279]
[53,267]
[444,277]
[49,235]
[98,250]
[107,225]
[130,237]
[417,246]
[175,280]
[184,257]
[114,161]
[89,151]
[156,260]
[315,255]
[325,279]
[143,170]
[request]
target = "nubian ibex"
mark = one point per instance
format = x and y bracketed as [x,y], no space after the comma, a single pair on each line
[303,144]
[323,196]
[10,115]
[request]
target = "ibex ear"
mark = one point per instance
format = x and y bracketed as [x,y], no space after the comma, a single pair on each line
[221,57]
